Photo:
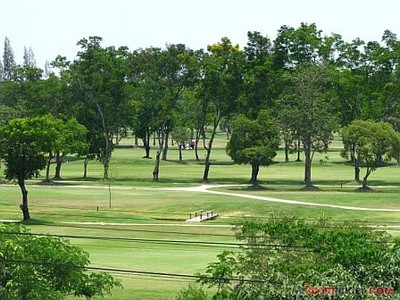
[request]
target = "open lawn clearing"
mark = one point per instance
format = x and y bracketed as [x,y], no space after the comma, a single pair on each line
[128,168]
[144,205]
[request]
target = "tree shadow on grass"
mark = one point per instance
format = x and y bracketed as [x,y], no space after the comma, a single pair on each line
[365,189]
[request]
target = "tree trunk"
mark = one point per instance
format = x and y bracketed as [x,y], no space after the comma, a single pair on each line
[209,147]
[107,155]
[108,139]
[255,168]
[146,148]
[365,179]
[180,153]
[85,166]
[356,170]
[165,148]
[47,178]
[166,137]
[287,146]
[147,151]
[136,143]
[156,170]
[117,138]
[24,206]
[196,152]
[298,149]
[307,168]
[364,182]
[356,174]
[107,158]
[207,165]
[57,174]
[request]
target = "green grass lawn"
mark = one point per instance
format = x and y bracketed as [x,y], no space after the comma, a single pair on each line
[144,229]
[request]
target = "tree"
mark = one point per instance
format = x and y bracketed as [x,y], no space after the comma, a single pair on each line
[1,71]
[47,70]
[304,45]
[370,144]
[297,48]
[254,142]
[29,58]
[98,79]
[306,106]
[181,134]
[160,76]
[220,88]
[193,292]
[141,74]
[8,60]
[41,267]
[70,138]
[23,144]
[283,258]
[259,78]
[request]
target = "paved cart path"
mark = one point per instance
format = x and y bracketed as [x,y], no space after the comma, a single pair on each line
[208,188]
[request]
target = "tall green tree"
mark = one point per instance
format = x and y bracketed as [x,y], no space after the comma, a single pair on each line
[293,49]
[161,77]
[142,76]
[70,139]
[1,71]
[29,58]
[366,84]
[99,82]
[304,45]
[254,142]
[260,86]
[220,88]
[306,106]
[370,144]
[8,60]
[23,145]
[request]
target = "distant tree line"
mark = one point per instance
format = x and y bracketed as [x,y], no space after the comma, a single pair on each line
[308,84]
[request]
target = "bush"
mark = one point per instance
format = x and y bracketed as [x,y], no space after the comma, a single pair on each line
[40,267]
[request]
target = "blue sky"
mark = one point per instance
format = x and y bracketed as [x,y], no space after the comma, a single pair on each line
[52,27]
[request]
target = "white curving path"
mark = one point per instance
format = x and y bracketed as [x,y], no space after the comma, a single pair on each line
[207,188]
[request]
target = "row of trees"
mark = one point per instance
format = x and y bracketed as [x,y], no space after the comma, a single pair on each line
[309,84]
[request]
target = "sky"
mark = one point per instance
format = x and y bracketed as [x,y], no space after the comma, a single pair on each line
[53,27]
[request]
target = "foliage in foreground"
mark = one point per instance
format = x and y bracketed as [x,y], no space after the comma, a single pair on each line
[291,258]
[39,268]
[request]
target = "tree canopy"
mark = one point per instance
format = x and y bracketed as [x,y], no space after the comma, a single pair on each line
[310,81]
[24,143]
[288,258]
[254,142]
[370,144]
[42,267]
